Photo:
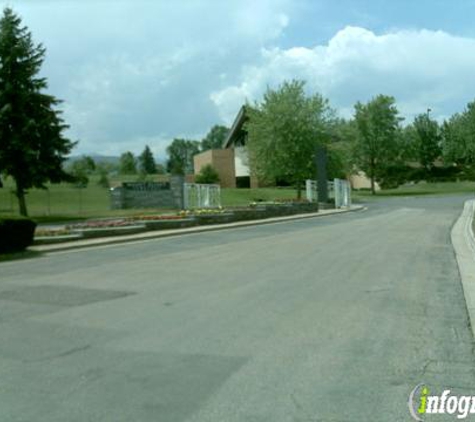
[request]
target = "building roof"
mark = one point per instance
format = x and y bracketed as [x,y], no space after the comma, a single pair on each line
[237,132]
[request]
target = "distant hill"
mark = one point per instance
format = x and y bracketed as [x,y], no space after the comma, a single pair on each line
[109,159]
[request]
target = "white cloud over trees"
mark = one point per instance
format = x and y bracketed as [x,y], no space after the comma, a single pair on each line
[421,68]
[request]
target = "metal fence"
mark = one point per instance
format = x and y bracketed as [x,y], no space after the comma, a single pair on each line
[338,190]
[311,190]
[197,196]
[342,193]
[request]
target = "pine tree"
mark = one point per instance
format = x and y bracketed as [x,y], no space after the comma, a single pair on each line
[32,145]
[147,162]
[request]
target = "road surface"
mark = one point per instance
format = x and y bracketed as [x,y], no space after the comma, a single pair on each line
[325,319]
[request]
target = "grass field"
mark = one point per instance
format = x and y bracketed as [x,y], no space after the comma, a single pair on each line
[65,203]
[425,189]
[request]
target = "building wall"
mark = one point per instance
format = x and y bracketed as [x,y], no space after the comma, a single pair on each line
[223,161]
[241,162]
[361,181]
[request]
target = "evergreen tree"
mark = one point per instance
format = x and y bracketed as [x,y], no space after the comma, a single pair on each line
[147,162]
[32,145]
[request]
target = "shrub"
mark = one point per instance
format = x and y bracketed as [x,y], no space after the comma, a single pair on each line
[16,234]
[207,174]
[103,181]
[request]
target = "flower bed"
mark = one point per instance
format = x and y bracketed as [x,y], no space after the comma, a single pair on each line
[98,224]
[202,211]
[158,217]
[52,232]
[141,223]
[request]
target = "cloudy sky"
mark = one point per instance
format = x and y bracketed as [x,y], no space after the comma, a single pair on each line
[136,72]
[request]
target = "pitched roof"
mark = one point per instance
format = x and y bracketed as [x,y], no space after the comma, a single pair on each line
[236,129]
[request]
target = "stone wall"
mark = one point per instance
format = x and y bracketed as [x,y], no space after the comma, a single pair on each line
[148,195]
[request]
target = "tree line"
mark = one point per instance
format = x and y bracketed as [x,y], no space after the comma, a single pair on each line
[284,131]
[287,126]
[180,154]
[180,161]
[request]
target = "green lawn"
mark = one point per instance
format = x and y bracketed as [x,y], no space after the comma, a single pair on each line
[424,189]
[65,203]
[242,197]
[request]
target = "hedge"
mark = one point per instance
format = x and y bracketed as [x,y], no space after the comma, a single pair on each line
[16,234]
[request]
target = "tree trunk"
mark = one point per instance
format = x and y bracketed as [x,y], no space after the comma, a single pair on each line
[299,190]
[371,176]
[20,193]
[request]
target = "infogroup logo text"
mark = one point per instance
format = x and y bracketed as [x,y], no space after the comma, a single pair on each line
[422,402]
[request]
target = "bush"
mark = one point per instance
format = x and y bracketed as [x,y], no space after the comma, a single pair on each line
[16,234]
[207,174]
[103,181]
[396,175]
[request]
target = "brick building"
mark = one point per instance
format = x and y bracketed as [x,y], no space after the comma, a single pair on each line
[231,161]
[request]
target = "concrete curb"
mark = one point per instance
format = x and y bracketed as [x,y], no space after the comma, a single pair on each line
[463,241]
[80,244]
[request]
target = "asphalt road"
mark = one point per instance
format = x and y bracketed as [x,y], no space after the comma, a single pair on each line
[325,319]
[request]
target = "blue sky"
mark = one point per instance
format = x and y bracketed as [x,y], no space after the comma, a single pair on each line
[143,72]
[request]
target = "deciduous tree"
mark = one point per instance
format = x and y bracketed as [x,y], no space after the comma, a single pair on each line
[180,156]
[215,138]
[376,147]
[127,163]
[428,140]
[284,131]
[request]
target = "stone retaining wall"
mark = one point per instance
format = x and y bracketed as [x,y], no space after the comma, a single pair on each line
[148,195]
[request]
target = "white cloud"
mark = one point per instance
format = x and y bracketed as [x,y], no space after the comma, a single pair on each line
[421,68]
[135,72]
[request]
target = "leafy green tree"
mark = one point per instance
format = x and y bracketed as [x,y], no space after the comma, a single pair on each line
[180,156]
[340,148]
[284,131]
[147,162]
[127,163]
[376,147]
[102,170]
[458,137]
[408,140]
[427,140]
[207,174]
[215,138]
[85,164]
[81,169]
[33,147]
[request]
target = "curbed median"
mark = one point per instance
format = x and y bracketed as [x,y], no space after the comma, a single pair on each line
[167,232]
[463,241]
